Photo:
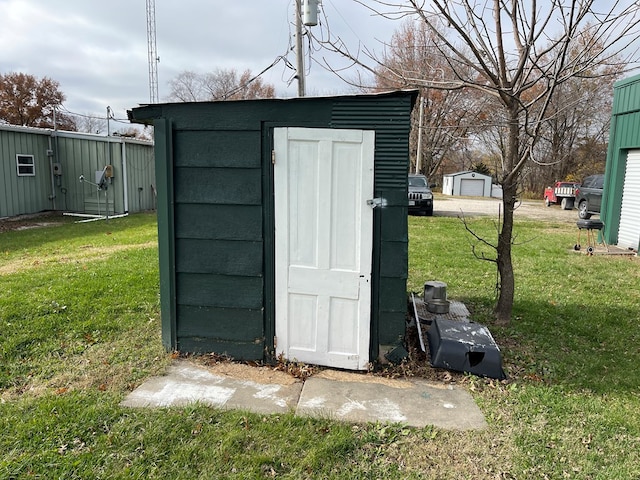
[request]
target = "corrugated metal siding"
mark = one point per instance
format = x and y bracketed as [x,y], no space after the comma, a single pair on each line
[624,136]
[626,96]
[24,194]
[78,154]
[390,118]
[627,130]
[141,177]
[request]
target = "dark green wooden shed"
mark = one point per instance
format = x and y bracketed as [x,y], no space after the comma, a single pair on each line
[282,226]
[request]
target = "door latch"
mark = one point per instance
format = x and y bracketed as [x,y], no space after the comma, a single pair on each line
[377,202]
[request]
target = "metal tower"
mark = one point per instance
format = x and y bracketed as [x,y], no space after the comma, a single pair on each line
[152,52]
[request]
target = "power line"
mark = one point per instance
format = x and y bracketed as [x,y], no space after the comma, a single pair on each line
[95,117]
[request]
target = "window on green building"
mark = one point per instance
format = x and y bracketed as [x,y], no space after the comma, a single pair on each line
[26,165]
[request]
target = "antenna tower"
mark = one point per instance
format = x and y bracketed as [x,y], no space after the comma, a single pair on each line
[152,52]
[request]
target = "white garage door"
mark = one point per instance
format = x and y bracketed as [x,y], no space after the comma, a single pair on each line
[629,231]
[472,187]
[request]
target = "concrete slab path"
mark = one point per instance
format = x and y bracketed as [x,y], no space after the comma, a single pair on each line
[343,396]
[187,383]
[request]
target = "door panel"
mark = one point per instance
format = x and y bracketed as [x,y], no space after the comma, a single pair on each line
[629,228]
[324,236]
[472,187]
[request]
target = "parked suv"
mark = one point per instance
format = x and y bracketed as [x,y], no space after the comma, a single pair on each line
[589,196]
[420,195]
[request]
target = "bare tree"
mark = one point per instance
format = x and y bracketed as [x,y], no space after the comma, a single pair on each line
[447,115]
[89,123]
[220,84]
[577,129]
[519,53]
[187,87]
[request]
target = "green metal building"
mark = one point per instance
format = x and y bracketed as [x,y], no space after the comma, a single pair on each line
[620,210]
[283,226]
[40,171]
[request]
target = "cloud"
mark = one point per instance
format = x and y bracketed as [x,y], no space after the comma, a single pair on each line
[97,51]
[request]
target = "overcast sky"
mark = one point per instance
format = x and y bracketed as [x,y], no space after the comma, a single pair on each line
[97,50]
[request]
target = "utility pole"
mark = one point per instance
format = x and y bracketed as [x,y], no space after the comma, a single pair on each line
[307,13]
[299,52]
[419,152]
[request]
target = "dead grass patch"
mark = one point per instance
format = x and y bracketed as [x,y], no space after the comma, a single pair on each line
[84,254]
[258,373]
[112,365]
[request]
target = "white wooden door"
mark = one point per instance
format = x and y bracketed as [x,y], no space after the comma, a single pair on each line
[324,236]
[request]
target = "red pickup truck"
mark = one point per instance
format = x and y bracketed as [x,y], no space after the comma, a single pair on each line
[563,193]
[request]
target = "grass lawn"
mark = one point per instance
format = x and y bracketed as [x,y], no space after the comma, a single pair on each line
[79,329]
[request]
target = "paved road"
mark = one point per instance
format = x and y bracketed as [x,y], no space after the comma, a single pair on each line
[445,206]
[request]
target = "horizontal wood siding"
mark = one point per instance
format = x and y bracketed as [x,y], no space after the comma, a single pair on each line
[237,350]
[219,222]
[235,324]
[393,288]
[219,241]
[233,149]
[393,256]
[211,290]
[393,218]
[218,186]
[388,331]
[192,257]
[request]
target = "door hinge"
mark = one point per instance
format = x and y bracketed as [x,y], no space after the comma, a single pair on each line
[275,342]
[273,157]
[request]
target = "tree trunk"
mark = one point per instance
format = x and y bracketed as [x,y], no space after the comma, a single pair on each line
[504,306]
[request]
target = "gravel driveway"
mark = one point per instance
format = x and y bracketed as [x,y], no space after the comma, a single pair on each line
[446,206]
[443,206]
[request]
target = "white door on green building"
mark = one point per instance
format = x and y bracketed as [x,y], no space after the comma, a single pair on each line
[629,229]
[323,244]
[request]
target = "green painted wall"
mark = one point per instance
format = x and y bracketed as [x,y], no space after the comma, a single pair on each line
[78,154]
[215,215]
[624,135]
[85,154]
[29,194]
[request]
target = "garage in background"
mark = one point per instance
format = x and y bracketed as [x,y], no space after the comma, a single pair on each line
[467,184]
